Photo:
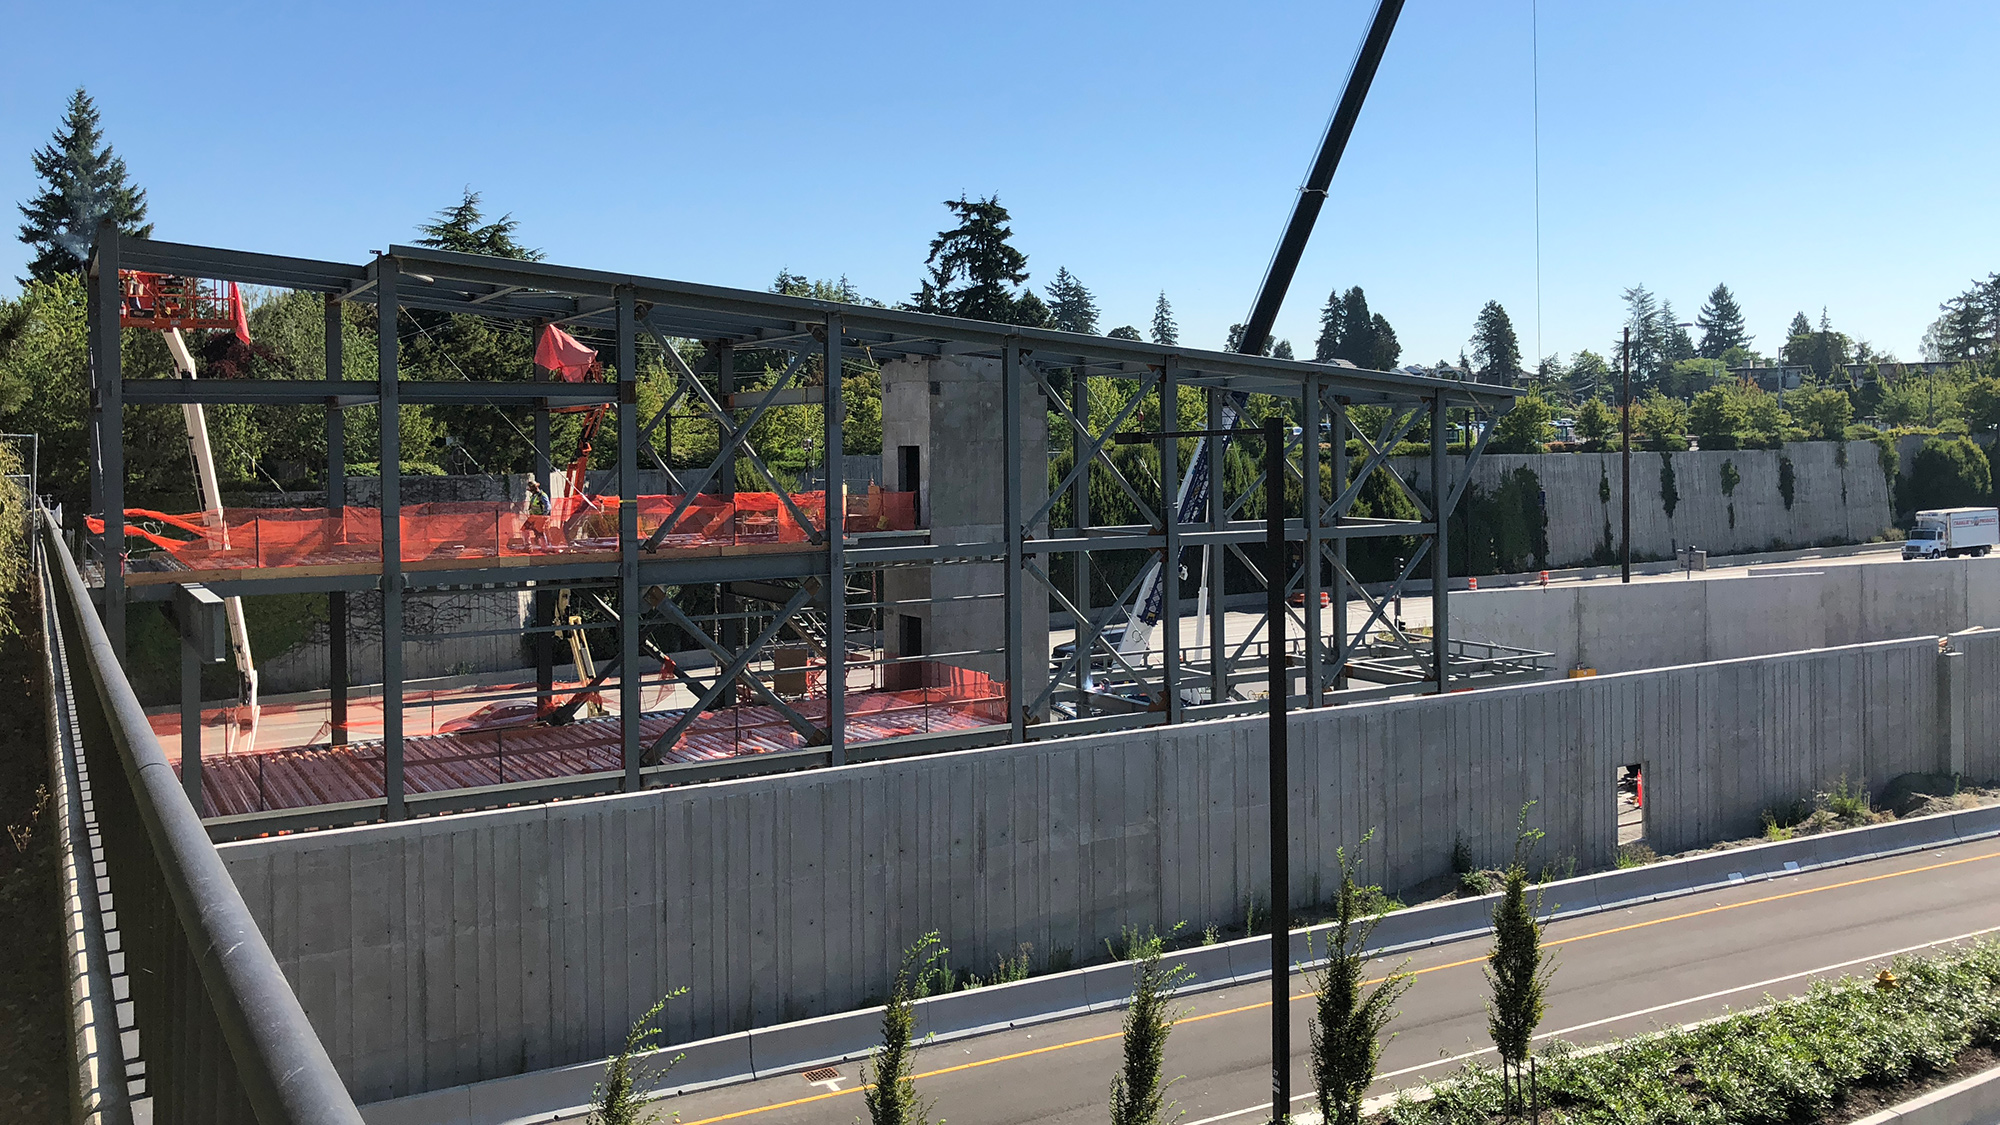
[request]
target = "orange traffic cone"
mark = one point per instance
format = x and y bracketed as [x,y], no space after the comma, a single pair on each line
[1472,583]
[1638,790]
[1545,578]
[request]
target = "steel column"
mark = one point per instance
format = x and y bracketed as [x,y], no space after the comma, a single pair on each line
[1014,580]
[1340,634]
[1170,561]
[336,505]
[1440,552]
[191,720]
[1215,564]
[629,610]
[833,411]
[391,469]
[1084,639]
[544,600]
[1311,512]
[107,367]
[726,603]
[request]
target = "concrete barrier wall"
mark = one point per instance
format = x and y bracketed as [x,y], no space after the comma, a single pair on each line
[450,950]
[1836,496]
[1618,628]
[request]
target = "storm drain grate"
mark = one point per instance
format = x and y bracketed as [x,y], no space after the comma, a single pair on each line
[822,1074]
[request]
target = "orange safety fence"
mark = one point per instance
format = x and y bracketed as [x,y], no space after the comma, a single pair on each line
[269,537]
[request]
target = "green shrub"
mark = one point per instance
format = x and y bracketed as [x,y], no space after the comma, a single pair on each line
[621,1098]
[1796,1060]
[1138,1093]
[891,1094]
[1947,473]
[1348,1018]
[1787,481]
[1670,496]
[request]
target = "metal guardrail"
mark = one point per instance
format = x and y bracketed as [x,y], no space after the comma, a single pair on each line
[223,1037]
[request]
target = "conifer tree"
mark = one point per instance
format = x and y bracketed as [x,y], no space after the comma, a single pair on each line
[463,227]
[1496,350]
[1165,332]
[974,267]
[1072,308]
[1721,323]
[1348,1017]
[1326,348]
[83,184]
[1519,968]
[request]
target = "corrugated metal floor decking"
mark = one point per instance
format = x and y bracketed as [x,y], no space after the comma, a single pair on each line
[300,778]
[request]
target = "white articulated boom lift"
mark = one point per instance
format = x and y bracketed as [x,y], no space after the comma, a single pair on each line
[169,304]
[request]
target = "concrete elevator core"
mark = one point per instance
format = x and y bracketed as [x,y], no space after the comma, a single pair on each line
[944,436]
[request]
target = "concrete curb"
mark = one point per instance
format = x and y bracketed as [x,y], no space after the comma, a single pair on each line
[1969,1101]
[547,1095]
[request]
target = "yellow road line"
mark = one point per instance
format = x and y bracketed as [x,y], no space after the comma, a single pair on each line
[1030,1053]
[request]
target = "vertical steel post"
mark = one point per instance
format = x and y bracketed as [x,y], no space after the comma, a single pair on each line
[391,467]
[836,549]
[107,366]
[726,603]
[1440,547]
[1014,581]
[1625,454]
[336,508]
[1215,567]
[1170,562]
[191,720]
[544,599]
[630,680]
[1338,434]
[1309,513]
[1279,687]
[1084,640]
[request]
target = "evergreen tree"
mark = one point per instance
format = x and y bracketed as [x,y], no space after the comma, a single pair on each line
[974,267]
[1800,326]
[1357,330]
[1326,348]
[1678,346]
[1519,968]
[1649,328]
[1138,1090]
[1383,348]
[1165,332]
[1235,343]
[1969,329]
[891,1093]
[1071,306]
[1282,350]
[1721,324]
[1495,349]
[1348,1018]
[462,227]
[83,184]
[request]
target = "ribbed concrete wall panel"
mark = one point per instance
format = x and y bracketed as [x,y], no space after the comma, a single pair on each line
[449,950]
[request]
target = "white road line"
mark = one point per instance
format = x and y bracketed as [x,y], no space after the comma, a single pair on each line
[1265,1107]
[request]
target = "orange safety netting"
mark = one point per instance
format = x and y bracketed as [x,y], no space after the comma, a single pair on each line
[266,537]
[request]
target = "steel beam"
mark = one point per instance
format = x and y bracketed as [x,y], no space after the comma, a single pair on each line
[1170,559]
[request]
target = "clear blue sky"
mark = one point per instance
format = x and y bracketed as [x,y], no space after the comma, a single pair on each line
[1833,154]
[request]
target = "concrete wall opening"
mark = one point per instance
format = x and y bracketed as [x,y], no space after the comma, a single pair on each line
[1631,790]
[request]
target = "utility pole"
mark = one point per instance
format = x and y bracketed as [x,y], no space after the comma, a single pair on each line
[1625,452]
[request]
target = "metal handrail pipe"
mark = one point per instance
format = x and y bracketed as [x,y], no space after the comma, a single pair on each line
[279,1062]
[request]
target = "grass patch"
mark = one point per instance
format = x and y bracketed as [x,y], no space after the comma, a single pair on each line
[1797,1060]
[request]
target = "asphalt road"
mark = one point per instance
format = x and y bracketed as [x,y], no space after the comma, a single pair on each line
[1620,973]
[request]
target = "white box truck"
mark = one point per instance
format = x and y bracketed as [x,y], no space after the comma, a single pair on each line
[1944,532]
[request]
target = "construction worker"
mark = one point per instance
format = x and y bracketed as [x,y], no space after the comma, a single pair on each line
[535,525]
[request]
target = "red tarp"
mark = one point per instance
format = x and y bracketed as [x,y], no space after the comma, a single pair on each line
[564,355]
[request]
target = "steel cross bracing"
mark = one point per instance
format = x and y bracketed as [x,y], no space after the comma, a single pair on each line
[619,313]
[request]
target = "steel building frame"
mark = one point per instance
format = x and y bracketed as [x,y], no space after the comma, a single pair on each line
[629,308]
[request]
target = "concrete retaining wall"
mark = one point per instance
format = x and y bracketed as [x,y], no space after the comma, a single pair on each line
[1617,628]
[307,665]
[1831,501]
[445,951]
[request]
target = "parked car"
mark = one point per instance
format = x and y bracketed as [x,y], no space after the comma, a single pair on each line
[494,716]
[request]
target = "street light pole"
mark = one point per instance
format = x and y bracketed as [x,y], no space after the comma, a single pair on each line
[1275,572]
[1625,453]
